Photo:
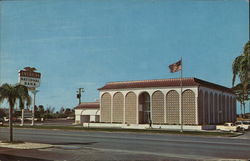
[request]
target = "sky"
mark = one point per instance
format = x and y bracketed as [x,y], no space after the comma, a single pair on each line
[87,43]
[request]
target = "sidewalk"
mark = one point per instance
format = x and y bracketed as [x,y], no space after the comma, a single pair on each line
[25,145]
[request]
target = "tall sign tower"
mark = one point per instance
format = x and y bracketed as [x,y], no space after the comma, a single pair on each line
[31,79]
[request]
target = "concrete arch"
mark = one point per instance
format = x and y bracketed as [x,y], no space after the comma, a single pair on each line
[83,110]
[220,109]
[144,91]
[118,107]
[223,109]
[106,107]
[144,108]
[130,108]
[188,99]
[84,118]
[226,108]
[216,108]
[231,109]
[206,114]
[211,111]
[173,107]
[234,109]
[200,107]
[157,107]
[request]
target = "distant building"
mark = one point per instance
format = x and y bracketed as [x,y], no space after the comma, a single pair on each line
[158,102]
[87,112]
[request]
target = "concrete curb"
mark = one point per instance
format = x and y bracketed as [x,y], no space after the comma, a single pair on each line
[25,145]
[237,134]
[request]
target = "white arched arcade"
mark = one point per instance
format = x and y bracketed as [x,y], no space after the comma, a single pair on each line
[142,106]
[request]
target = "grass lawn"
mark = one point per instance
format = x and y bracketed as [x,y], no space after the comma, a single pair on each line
[14,142]
[157,131]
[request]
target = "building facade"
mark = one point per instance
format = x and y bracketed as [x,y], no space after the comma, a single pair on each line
[87,112]
[159,102]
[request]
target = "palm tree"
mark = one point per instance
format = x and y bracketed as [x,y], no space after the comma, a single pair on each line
[22,101]
[241,68]
[12,93]
[241,96]
[238,91]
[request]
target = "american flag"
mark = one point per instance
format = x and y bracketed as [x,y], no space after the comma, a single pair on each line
[175,67]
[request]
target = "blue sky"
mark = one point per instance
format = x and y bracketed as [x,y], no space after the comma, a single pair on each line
[86,43]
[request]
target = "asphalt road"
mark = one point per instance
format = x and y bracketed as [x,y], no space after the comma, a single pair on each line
[85,145]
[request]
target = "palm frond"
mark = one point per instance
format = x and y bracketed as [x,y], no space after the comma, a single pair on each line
[247,48]
[236,67]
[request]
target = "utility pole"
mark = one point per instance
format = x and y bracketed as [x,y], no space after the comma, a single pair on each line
[79,94]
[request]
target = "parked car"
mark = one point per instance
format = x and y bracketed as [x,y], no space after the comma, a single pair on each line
[229,127]
[246,122]
[70,118]
[1,121]
[243,125]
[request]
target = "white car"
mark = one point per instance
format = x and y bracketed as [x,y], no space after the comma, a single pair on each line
[229,127]
[1,121]
[246,122]
[242,125]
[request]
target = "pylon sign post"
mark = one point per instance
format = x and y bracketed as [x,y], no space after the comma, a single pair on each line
[31,79]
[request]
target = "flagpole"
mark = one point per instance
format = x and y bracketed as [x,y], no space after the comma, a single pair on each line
[181,98]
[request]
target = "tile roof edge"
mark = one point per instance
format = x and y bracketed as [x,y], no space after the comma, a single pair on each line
[197,81]
[200,82]
[147,80]
[139,81]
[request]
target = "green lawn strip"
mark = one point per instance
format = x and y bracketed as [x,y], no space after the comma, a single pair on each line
[132,130]
[14,142]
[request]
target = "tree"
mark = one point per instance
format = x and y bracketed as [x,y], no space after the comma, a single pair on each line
[22,101]
[241,68]
[67,111]
[2,113]
[12,93]
[62,110]
[240,96]
[41,111]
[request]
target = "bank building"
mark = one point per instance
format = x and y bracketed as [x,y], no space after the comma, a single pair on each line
[159,102]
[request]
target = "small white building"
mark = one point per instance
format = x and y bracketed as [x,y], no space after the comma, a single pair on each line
[87,112]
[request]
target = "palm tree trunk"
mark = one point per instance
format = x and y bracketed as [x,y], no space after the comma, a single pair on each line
[244,107]
[241,109]
[10,123]
[22,121]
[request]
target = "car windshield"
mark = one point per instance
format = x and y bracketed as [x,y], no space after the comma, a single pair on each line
[246,122]
[237,123]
